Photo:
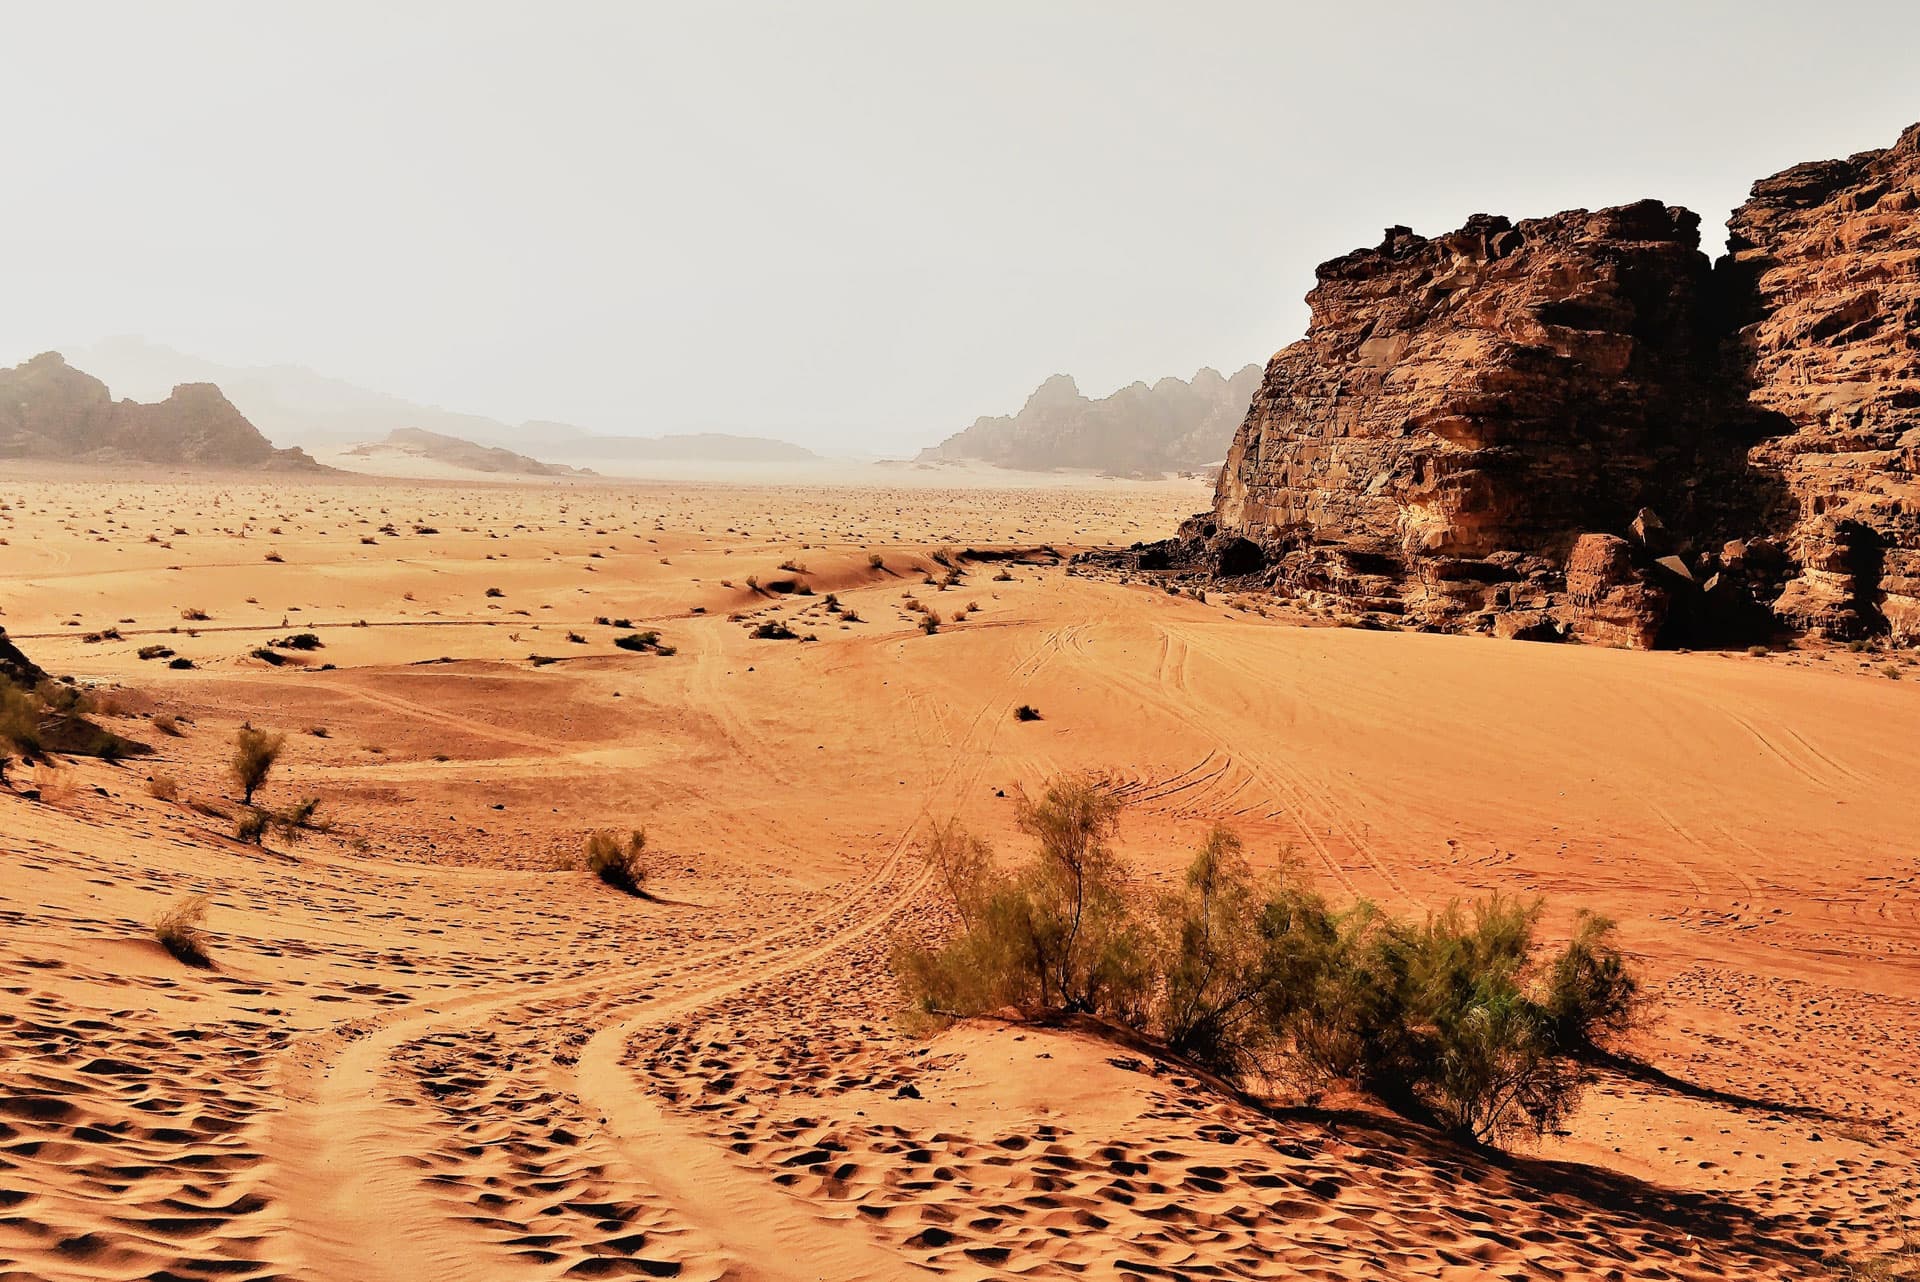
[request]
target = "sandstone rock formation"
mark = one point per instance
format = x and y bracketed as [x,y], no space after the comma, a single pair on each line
[1140,429]
[1574,424]
[1824,268]
[50,410]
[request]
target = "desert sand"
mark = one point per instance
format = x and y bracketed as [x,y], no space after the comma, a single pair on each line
[431,1048]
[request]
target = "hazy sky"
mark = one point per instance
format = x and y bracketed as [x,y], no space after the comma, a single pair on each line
[852,225]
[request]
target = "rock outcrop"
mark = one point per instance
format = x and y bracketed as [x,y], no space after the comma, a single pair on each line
[1575,424]
[1823,267]
[50,410]
[1169,426]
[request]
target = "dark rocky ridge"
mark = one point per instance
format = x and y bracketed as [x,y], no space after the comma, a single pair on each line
[1172,425]
[50,410]
[1575,424]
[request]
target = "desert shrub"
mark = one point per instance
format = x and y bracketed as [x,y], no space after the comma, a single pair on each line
[1058,936]
[177,929]
[1459,1018]
[19,719]
[638,640]
[1214,962]
[194,614]
[6,764]
[250,826]
[495,592]
[155,652]
[774,630]
[1026,712]
[167,724]
[620,862]
[1896,1260]
[1591,997]
[254,755]
[1004,576]
[272,658]
[930,622]
[297,820]
[875,561]
[163,788]
[180,664]
[298,641]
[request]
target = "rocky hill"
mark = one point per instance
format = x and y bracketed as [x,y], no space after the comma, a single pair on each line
[50,410]
[296,405]
[1576,424]
[414,442]
[1171,425]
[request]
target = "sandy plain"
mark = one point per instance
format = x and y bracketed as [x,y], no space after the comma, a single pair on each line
[428,1050]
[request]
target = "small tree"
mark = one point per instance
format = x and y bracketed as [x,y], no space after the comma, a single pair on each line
[254,755]
[1212,1002]
[1090,949]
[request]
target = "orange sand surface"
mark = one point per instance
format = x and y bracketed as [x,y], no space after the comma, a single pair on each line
[433,1049]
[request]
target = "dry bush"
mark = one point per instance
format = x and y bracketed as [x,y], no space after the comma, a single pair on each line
[254,754]
[620,862]
[163,788]
[298,819]
[1026,712]
[55,784]
[19,719]
[250,826]
[167,724]
[177,928]
[1899,1262]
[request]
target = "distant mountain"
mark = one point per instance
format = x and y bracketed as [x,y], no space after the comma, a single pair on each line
[50,410]
[294,405]
[414,442]
[714,447]
[1170,426]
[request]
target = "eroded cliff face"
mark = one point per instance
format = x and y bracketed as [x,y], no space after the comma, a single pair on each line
[1823,268]
[48,409]
[1463,408]
[1575,425]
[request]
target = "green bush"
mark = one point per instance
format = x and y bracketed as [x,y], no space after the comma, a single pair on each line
[1059,936]
[1461,1018]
